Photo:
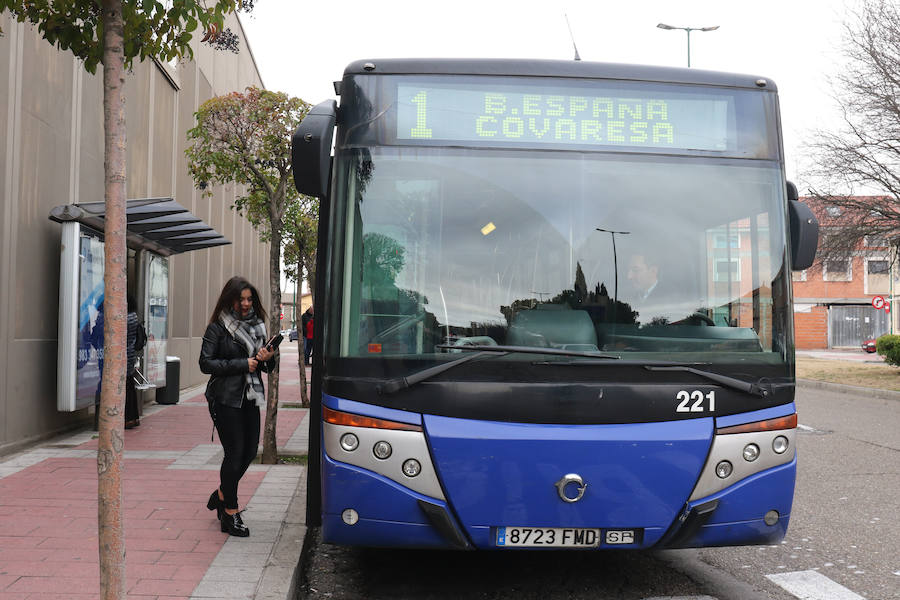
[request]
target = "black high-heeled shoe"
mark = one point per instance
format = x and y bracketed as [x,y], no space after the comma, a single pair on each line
[216,504]
[234,525]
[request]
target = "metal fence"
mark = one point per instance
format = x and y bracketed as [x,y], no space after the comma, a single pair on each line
[850,325]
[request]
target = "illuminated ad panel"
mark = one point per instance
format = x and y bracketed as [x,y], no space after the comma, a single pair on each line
[157,303]
[89,366]
[654,117]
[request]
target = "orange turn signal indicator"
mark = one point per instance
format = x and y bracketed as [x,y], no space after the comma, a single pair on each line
[337,417]
[788,422]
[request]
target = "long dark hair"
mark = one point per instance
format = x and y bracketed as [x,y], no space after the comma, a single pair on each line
[231,293]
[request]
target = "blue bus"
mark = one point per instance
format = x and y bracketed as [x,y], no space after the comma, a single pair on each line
[485,376]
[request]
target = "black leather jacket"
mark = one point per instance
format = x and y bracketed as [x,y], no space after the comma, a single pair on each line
[225,359]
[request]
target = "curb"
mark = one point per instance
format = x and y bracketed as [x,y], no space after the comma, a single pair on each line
[281,575]
[849,389]
[688,562]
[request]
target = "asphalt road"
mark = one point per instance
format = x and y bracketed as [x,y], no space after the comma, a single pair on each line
[843,542]
[846,516]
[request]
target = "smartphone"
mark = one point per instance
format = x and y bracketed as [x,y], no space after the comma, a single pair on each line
[274,342]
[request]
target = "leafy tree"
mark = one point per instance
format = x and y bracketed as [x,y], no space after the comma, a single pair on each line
[301,224]
[245,138]
[115,33]
[864,152]
[383,259]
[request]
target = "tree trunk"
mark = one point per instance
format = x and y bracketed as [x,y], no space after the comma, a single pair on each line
[301,335]
[270,445]
[112,393]
[310,261]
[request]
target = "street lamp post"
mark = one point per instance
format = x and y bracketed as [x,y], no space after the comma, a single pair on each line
[615,264]
[688,30]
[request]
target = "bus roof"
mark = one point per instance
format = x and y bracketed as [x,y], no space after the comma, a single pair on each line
[554,68]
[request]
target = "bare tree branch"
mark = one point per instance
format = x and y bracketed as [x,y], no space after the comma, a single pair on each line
[865,152]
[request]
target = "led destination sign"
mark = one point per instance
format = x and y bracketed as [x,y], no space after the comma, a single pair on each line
[527,114]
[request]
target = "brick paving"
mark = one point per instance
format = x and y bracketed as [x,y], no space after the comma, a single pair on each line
[174,548]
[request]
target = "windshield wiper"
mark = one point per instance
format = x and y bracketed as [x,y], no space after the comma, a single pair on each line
[624,362]
[392,386]
[756,389]
[531,350]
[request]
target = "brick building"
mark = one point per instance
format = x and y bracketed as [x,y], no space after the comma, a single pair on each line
[833,298]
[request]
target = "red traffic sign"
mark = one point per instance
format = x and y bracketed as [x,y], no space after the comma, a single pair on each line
[878,302]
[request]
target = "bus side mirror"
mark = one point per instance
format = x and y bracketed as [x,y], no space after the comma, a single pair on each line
[804,231]
[311,150]
[792,193]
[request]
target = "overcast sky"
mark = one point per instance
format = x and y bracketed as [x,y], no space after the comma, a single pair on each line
[301,47]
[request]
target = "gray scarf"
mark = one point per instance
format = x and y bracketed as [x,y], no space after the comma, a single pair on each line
[251,332]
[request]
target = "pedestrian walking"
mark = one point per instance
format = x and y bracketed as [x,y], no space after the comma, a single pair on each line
[135,339]
[235,351]
[307,322]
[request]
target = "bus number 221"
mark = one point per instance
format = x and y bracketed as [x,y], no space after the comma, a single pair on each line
[694,401]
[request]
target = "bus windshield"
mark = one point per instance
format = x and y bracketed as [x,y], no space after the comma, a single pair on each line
[638,255]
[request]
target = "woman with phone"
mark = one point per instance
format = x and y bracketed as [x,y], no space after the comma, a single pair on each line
[235,351]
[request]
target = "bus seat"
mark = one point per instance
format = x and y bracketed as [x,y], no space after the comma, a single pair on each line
[551,328]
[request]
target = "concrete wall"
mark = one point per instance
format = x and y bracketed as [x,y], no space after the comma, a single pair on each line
[51,153]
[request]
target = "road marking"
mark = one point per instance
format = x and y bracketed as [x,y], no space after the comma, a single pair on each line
[807,429]
[812,585]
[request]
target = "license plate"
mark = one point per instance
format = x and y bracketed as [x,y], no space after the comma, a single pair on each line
[548,537]
[619,536]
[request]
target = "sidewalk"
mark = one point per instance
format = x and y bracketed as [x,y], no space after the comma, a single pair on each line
[854,354]
[174,547]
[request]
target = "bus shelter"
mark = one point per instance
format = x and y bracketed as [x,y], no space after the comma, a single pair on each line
[157,228]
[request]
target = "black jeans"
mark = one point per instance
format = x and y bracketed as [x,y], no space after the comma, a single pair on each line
[132,410]
[307,349]
[239,433]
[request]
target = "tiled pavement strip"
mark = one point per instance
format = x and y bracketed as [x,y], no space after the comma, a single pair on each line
[174,548]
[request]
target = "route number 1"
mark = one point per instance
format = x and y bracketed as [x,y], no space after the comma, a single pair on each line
[694,401]
[421,130]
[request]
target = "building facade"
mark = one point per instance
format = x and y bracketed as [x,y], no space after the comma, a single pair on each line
[51,154]
[833,299]
[292,312]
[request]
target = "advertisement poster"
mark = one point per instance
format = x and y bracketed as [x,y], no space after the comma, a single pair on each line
[90,320]
[157,319]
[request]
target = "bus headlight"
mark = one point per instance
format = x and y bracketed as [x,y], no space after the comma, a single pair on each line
[349,442]
[741,451]
[382,450]
[396,450]
[724,469]
[780,444]
[751,452]
[411,467]
[350,516]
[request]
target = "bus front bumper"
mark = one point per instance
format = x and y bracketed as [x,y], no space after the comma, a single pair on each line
[386,514]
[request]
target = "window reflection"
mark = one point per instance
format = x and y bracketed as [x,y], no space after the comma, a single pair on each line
[476,247]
